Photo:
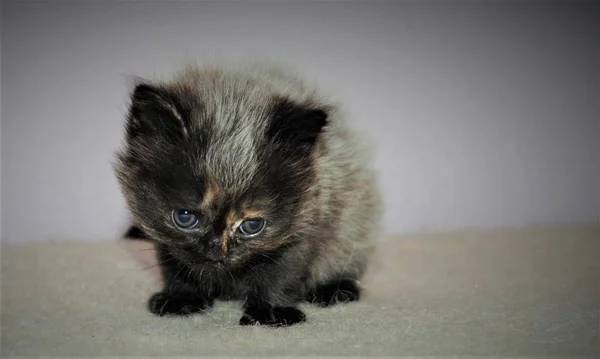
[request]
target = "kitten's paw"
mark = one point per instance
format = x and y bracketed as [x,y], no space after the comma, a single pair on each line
[331,293]
[275,317]
[163,303]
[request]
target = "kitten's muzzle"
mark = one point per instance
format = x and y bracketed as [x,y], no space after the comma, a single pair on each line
[215,251]
[215,255]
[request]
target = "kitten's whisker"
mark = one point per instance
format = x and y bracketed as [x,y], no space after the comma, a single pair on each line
[347,263]
[231,275]
[274,261]
[187,278]
[157,264]
[200,275]
[180,270]
[164,305]
[146,249]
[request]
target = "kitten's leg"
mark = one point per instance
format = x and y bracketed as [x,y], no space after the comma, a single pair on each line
[272,301]
[333,292]
[178,301]
[260,312]
[179,296]
[275,288]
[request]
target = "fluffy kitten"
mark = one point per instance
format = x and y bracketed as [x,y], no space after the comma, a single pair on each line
[253,188]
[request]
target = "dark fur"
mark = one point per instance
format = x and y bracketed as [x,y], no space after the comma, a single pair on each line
[135,232]
[227,145]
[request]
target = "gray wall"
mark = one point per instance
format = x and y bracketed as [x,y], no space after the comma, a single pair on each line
[484,114]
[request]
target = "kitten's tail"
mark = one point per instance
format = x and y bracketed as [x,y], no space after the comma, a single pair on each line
[135,232]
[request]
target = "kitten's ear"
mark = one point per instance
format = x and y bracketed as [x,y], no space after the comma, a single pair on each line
[297,125]
[155,111]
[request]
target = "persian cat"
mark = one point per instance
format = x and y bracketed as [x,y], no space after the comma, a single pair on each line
[252,187]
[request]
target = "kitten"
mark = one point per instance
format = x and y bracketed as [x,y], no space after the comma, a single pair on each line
[253,188]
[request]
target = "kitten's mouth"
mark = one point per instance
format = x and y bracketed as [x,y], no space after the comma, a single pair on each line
[196,256]
[217,257]
[205,260]
[216,264]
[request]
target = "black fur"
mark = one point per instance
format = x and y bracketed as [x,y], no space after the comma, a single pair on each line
[272,316]
[135,232]
[274,273]
[181,154]
[271,283]
[334,292]
[296,125]
[152,112]
[178,303]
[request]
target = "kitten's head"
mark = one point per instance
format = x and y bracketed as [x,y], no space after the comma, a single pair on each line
[219,166]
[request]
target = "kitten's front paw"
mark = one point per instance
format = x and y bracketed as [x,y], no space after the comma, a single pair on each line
[163,303]
[275,317]
[334,292]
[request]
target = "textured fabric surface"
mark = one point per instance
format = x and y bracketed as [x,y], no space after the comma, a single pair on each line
[531,292]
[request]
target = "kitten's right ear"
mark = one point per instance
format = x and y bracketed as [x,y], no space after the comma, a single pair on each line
[296,125]
[155,111]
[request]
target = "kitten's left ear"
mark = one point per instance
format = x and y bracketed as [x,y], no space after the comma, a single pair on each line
[295,124]
[155,111]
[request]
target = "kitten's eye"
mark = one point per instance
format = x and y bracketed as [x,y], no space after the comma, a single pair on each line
[184,219]
[252,227]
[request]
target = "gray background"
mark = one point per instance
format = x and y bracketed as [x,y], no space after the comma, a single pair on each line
[483,114]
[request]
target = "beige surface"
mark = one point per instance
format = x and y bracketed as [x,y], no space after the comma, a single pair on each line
[496,293]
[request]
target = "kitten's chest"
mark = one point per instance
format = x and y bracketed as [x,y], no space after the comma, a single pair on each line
[222,283]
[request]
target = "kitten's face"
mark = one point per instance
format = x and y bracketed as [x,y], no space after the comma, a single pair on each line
[223,184]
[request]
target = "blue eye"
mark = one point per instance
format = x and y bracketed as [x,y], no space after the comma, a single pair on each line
[184,219]
[252,227]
